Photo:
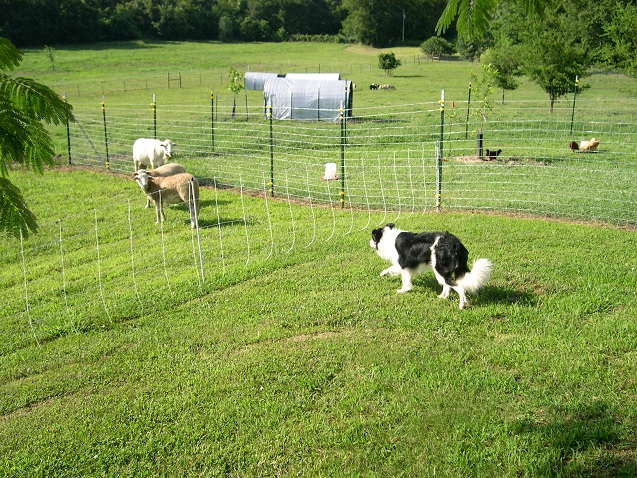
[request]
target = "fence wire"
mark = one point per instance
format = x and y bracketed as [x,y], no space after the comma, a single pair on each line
[390,168]
[389,157]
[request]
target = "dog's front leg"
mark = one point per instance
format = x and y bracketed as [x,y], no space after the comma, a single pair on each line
[391,271]
[406,278]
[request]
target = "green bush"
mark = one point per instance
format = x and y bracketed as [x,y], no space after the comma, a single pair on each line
[437,46]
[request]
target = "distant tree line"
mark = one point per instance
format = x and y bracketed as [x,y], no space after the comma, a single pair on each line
[379,23]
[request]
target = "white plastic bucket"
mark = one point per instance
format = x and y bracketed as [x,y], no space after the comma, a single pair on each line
[330,171]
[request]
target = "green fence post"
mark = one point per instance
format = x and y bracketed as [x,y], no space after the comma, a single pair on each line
[271,184]
[153,105]
[212,118]
[574,96]
[466,131]
[439,152]
[108,166]
[341,116]
[68,134]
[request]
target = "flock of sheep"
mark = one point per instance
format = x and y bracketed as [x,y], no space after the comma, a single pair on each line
[376,86]
[161,182]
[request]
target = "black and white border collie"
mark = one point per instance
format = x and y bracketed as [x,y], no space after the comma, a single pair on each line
[411,253]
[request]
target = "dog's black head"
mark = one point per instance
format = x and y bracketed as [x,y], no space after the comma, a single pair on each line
[377,234]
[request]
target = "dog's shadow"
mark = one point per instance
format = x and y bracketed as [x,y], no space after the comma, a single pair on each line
[489,294]
[497,295]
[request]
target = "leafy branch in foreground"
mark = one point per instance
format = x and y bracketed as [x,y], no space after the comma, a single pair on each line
[24,106]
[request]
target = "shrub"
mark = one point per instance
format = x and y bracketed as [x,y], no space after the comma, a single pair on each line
[437,46]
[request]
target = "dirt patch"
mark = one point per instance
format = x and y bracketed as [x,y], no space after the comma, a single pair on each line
[499,160]
[466,159]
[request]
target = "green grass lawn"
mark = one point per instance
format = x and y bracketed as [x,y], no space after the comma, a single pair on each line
[294,357]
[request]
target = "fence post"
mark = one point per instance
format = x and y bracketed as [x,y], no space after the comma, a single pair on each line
[574,96]
[212,118]
[466,130]
[153,105]
[108,166]
[271,184]
[68,134]
[341,117]
[439,144]
[480,145]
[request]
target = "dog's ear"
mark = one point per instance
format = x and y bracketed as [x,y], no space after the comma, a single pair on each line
[376,235]
[391,225]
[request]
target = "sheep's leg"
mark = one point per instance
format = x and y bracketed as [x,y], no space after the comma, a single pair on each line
[159,210]
[159,214]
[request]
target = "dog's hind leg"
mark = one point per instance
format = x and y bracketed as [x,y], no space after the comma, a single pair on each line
[462,295]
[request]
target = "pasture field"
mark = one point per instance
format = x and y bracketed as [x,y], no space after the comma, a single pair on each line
[265,343]
[389,155]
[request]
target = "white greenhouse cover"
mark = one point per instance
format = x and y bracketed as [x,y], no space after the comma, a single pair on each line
[313,76]
[308,99]
[254,80]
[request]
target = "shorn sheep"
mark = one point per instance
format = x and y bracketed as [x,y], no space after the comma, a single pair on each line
[164,171]
[151,152]
[176,189]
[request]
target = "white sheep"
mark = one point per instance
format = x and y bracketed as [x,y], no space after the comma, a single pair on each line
[151,152]
[164,171]
[176,189]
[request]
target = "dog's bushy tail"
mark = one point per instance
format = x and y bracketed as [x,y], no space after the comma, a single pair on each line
[479,275]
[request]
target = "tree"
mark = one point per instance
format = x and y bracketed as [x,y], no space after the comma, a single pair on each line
[388,62]
[506,66]
[383,23]
[24,106]
[621,49]
[553,57]
[482,87]
[436,46]
[473,18]
[235,86]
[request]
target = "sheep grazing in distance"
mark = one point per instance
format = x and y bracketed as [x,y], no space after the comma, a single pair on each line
[151,152]
[491,154]
[175,189]
[387,87]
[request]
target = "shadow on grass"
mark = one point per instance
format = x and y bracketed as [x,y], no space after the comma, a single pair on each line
[586,441]
[487,295]
[493,294]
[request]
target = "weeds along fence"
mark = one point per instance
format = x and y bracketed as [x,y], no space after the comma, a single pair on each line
[399,157]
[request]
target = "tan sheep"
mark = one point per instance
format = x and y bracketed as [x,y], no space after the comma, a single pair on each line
[176,189]
[164,171]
